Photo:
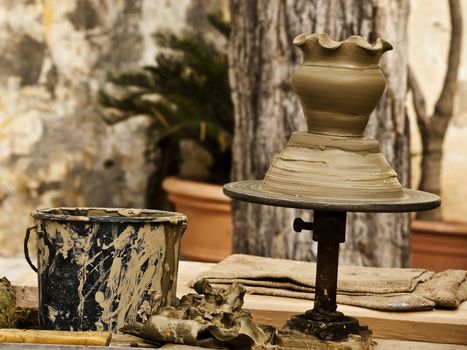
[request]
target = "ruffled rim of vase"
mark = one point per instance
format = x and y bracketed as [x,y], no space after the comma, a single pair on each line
[326,42]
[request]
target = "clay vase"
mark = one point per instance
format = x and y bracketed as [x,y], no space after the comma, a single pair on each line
[338,83]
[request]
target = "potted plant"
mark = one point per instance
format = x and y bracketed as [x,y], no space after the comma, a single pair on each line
[186,96]
[438,244]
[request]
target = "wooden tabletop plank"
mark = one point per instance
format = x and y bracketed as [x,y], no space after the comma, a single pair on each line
[380,344]
[437,326]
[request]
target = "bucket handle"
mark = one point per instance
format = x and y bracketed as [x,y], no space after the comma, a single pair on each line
[26,251]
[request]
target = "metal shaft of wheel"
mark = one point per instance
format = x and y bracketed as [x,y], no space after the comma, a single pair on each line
[326,276]
[329,232]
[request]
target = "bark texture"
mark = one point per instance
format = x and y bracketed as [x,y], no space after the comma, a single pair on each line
[267,111]
[433,128]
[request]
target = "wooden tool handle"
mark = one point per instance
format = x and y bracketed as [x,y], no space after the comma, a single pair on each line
[10,335]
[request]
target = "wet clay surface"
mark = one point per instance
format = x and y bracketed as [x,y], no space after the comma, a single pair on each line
[339,84]
[337,167]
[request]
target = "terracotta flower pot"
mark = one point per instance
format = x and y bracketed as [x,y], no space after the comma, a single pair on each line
[208,236]
[439,246]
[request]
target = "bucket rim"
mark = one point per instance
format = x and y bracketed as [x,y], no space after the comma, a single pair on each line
[101,214]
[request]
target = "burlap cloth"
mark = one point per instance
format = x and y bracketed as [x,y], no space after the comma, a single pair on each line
[390,289]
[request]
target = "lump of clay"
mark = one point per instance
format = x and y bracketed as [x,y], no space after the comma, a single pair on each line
[12,316]
[7,303]
[213,318]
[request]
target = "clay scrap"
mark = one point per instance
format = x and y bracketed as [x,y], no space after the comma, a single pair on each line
[12,316]
[7,303]
[211,318]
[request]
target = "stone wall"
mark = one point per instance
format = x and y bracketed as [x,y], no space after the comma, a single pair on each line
[56,151]
[429,31]
[54,148]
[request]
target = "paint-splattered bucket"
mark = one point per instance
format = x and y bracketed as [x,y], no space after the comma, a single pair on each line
[101,268]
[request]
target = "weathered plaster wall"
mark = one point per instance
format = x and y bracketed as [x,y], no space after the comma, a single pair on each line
[429,31]
[54,149]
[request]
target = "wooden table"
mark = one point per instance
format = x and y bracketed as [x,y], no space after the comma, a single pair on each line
[437,329]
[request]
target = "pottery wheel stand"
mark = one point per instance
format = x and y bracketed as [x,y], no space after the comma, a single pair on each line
[338,85]
[324,321]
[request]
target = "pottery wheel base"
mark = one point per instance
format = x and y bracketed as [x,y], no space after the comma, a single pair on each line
[337,329]
[294,340]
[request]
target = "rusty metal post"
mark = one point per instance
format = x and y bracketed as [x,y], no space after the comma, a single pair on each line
[326,277]
[329,232]
[324,321]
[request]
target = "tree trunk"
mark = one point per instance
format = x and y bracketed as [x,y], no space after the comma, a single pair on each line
[433,129]
[430,180]
[267,111]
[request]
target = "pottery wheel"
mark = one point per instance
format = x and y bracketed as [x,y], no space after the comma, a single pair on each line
[332,169]
[250,191]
